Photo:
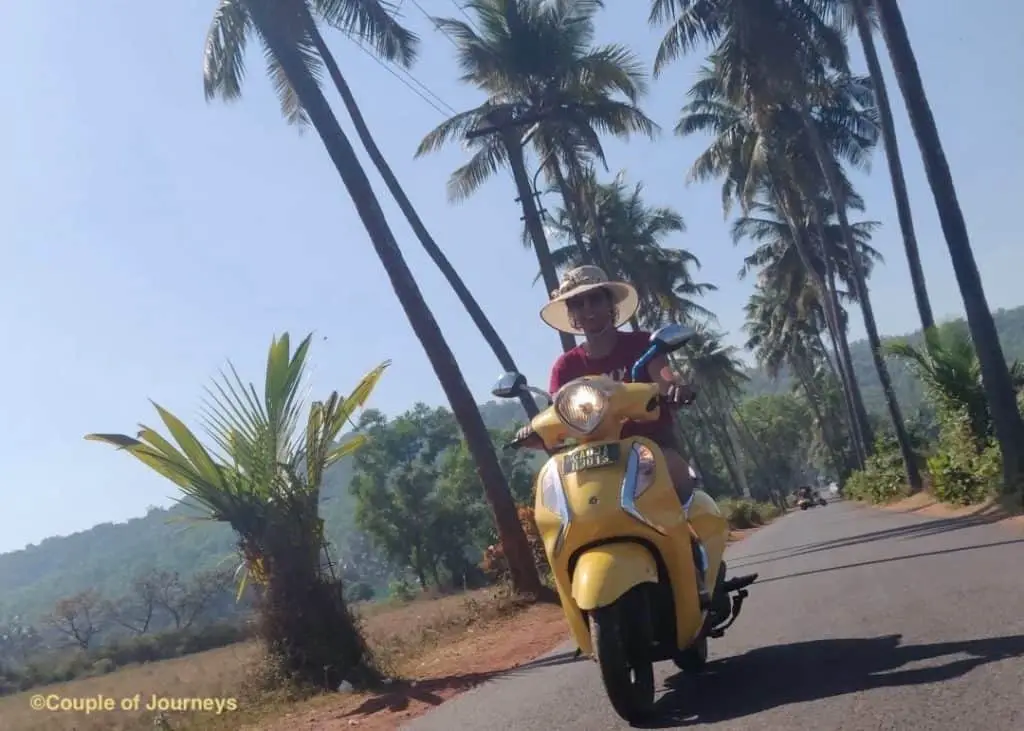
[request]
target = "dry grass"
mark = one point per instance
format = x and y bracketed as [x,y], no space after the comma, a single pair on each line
[399,633]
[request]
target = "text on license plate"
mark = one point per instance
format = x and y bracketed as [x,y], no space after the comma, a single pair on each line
[586,458]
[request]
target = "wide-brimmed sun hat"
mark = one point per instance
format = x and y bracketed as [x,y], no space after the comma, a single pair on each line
[579,281]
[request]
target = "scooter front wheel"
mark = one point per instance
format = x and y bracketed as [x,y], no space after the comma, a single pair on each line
[626,668]
[694,658]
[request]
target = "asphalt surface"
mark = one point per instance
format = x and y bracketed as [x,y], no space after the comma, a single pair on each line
[862,620]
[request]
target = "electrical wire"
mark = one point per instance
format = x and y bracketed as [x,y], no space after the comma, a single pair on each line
[466,15]
[435,23]
[440,105]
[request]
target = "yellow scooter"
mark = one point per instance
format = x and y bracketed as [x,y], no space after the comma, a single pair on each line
[619,543]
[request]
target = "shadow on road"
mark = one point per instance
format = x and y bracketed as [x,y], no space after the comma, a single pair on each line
[906,532]
[888,560]
[562,658]
[435,691]
[770,677]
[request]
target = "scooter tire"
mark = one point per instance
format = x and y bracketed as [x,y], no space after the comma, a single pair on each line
[628,676]
[804,507]
[694,658]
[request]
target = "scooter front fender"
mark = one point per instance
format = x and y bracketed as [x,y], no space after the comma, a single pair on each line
[604,573]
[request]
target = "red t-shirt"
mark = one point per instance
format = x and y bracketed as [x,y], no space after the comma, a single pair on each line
[629,346]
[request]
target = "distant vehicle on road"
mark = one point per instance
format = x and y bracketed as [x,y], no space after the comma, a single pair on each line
[808,497]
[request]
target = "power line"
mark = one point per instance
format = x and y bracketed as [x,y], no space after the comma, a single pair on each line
[435,23]
[465,15]
[439,101]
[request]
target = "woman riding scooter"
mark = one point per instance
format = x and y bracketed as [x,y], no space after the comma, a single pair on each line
[587,303]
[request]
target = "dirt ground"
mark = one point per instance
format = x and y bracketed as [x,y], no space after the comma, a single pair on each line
[1005,511]
[481,654]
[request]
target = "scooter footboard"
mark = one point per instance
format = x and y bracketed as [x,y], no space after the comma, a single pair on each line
[604,573]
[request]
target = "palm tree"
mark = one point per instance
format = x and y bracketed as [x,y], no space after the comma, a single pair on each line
[262,475]
[948,368]
[782,273]
[634,234]
[717,373]
[863,16]
[780,334]
[536,60]
[753,153]
[791,68]
[371,22]
[995,374]
[284,31]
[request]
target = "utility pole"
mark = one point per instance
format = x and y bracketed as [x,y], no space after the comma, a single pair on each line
[503,123]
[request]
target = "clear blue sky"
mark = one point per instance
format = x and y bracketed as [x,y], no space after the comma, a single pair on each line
[148,235]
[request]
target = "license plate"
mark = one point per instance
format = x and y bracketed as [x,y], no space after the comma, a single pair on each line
[587,458]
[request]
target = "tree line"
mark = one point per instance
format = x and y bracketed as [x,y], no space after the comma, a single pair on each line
[163,615]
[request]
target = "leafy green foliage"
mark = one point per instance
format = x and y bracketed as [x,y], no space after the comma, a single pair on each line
[420,499]
[742,513]
[883,478]
[948,368]
[963,471]
[780,426]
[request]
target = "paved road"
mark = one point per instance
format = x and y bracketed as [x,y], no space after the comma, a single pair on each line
[862,620]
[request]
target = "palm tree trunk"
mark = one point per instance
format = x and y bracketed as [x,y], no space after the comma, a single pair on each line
[863,433]
[830,170]
[586,194]
[829,361]
[995,374]
[570,207]
[476,313]
[522,568]
[892,155]
[750,445]
[726,449]
[533,222]
[814,400]
[832,363]
[830,304]
[691,447]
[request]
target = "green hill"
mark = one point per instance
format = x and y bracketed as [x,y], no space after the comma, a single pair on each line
[108,555]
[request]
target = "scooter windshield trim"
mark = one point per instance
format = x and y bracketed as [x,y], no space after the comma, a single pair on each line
[551,479]
[627,496]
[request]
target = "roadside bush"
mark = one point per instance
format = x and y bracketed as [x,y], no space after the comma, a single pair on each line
[743,513]
[883,478]
[401,590]
[964,470]
[495,565]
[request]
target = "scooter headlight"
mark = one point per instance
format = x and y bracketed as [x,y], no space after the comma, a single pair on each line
[581,406]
